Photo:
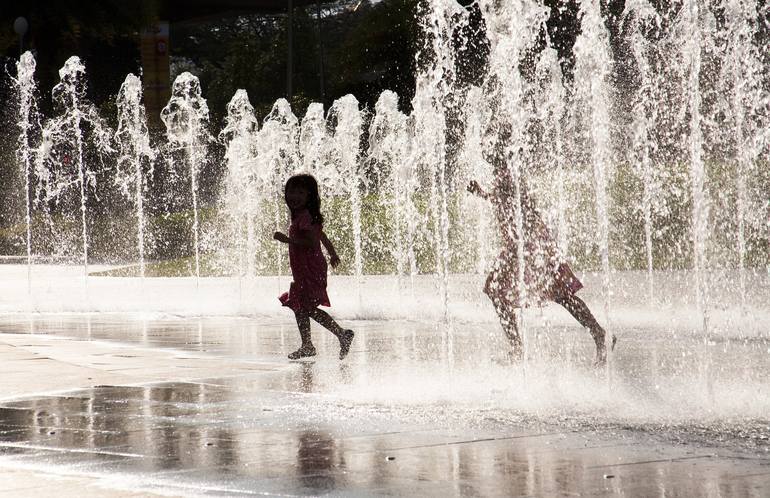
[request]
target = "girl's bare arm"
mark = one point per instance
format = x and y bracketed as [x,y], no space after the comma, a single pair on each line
[303,239]
[334,260]
[475,188]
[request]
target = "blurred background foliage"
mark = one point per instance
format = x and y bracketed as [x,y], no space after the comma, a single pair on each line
[368,46]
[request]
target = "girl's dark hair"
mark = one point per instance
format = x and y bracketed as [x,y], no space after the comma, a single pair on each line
[308,183]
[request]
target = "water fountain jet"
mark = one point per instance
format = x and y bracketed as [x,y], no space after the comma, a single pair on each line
[592,70]
[242,183]
[67,131]
[136,156]
[186,118]
[29,124]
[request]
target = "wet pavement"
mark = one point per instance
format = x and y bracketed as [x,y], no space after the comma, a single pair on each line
[197,406]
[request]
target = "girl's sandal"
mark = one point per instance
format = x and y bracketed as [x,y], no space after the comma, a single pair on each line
[345,340]
[303,352]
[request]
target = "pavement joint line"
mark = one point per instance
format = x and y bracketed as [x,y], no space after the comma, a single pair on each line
[208,384]
[756,474]
[220,489]
[73,450]
[181,472]
[391,433]
[51,427]
[741,457]
[549,449]
[643,462]
[471,441]
[70,392]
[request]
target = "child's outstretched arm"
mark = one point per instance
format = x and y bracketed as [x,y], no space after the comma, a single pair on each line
[475,188]
[334,260]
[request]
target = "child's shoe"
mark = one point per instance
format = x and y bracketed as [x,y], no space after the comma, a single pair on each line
[303,352]
[345,340]
[515,355]
[601,349]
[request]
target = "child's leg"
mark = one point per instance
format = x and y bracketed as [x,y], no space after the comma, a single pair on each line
[508,319]
[326,321]
[579,309]
[303,324]
[506,311]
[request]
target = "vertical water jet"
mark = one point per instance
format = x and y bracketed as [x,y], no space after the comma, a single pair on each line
[640,15]
[242,183]
[592,72]
[186,118]
[29,125]
[346,144]
[63,148]
[742,69]
[135,155]
[277,159]
[388,149]
[691,26]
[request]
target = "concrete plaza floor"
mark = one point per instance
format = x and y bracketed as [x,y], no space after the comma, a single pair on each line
[112,405]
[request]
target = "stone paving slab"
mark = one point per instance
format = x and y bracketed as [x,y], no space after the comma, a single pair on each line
[24,483]
[47,364]
[42,363]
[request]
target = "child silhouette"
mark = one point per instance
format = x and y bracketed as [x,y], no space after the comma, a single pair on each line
[546,276]
[308,265]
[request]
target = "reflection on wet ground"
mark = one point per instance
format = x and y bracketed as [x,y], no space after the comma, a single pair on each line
[416,410]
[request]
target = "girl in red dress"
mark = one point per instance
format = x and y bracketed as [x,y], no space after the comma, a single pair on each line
[308,265]
[546,276]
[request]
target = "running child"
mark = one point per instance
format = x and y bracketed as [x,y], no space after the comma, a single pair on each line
[546,276]
[308,265]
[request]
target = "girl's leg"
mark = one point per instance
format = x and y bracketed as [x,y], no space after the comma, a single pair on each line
[579,309]
[508,319]
[303,324]
[326,321]
[506,312]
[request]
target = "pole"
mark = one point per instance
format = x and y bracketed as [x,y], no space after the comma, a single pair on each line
[290,49]
[321,67]
[20,26]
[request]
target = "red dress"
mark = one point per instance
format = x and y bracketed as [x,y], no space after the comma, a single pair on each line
[546,275]
[308,268]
